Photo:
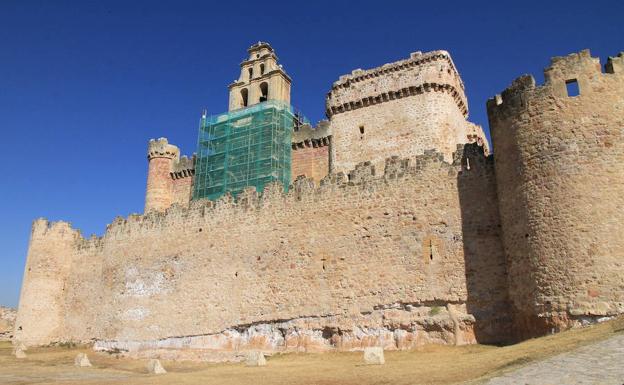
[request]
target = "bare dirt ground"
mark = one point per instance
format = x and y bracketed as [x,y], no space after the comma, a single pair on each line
[431,365]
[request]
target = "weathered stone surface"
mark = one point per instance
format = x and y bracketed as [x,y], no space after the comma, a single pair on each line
[19,353]
[561,191]
[311,259]
[7,323]
[404,246]
[154,367]
[82,361]
[255,358]
[403,108]
[17,345]
[374,356]
[261,78]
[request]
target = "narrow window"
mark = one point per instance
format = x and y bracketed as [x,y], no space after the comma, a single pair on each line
[572,87]
[264,92]
[261,69]
[244,94]
[361,132]
[250,73]
[431,250]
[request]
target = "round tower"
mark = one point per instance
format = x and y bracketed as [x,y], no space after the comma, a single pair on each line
[559,156]
[161,157]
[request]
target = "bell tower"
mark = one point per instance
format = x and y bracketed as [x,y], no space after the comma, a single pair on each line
[261,79]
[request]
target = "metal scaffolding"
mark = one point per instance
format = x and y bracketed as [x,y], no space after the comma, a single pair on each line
[246,147]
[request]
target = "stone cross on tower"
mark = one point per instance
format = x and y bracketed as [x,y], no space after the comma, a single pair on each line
[261,79]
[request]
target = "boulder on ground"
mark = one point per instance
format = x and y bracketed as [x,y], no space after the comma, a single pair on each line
[154,367]
[82,361]
[255,358]
[374,356]
[19,353]
[19,346]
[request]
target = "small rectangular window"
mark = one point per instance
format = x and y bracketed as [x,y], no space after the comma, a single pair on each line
[572,87]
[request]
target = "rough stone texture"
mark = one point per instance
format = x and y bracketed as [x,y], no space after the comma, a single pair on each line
[182,174]
[82,361]
[374,356]
[154,367]
[169,177]
[427,248]
[401,108]
[20,354]
[7,322]
[310,151]
[561,192]
[310,161]
[255,358]
[259,70]
[43,297]
[360,261]
[19,346]
[600,363]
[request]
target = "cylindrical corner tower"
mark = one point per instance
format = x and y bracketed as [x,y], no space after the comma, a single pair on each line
[161,156]
[559,159]
[41,313]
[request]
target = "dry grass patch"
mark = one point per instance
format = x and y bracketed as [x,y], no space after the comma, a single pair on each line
[429,365]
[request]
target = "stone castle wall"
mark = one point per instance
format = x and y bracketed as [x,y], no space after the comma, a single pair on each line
[310,160]
[401,108]
[361,260]
[41,312]
[310,152]
[561,192]
[446,246]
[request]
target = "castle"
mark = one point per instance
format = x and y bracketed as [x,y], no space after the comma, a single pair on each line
[398,228]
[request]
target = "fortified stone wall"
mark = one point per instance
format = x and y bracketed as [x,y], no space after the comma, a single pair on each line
[182,175]
[41,313]
[397,260]
[310,152]
[401,108]
[561,191]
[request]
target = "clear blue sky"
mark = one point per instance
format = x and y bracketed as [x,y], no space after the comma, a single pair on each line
[85,84]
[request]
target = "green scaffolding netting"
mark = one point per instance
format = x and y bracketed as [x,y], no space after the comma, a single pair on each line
[247,147]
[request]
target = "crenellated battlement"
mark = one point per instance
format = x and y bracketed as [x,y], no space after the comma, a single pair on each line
[160,148]
[308,136]
[580,68]
[363,176]
[420,73]
[43,228]
[615,64]
[487,236]
[416,58]
[557,150]
[184,168]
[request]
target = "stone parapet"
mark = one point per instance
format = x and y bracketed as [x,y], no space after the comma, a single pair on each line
[184,168]
[160,148]
[430,72]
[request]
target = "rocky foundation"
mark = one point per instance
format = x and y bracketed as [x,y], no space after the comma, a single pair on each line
[396,327]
